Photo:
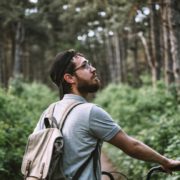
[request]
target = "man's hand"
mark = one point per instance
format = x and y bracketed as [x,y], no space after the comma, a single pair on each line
[171,163]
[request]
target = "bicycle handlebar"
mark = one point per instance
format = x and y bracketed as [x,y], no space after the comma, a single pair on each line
[156,168]
[160,169]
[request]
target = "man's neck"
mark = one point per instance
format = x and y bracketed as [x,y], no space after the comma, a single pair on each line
[84,95]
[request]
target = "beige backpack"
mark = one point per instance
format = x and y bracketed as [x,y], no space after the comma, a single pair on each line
[43,155]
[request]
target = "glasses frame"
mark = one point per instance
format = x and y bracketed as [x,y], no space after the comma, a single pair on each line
[89,64]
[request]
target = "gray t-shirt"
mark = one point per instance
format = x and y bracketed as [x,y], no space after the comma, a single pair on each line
[84,125]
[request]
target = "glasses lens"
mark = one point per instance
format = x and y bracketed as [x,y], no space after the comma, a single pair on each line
[87,65]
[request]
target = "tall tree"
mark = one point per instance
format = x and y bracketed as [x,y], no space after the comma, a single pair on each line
[118,57]
[149,59]
[19,37]
[134,48]
[169,76]
[123,42]
[110,56]
[155,38]
[174,28]
[1,68]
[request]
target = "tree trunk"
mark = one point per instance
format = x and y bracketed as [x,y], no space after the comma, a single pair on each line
[155,38]
[105,64]
[149,59]
[135,68]
[27,62]
[118,58]
[24,64]
[110,55]
[133,46]
[101,60]
[161,34]
[169,77]
[12,53]
[1,69]
[154,76]
[19,39]
[5,65]
[174,28]
[43,69]
[161,41]
[124,57]
[149,46]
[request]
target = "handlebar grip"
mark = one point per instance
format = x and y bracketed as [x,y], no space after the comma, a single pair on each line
[177,168]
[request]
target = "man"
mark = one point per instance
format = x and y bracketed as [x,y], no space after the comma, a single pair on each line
[87,126]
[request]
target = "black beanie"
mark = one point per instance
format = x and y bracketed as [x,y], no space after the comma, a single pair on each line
[58,67]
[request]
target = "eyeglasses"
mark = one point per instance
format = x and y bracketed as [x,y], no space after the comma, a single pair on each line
[86,66]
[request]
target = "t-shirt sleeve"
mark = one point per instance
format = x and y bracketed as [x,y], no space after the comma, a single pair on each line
[101,124]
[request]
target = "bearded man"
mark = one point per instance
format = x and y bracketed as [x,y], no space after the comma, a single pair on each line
[87,125]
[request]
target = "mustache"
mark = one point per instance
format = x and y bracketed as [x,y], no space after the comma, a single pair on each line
[94,75]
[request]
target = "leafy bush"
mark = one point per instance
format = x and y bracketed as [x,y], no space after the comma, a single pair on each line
[20,109]
[147,114]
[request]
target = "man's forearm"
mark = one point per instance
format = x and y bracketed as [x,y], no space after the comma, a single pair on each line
[145,153]
[139,150]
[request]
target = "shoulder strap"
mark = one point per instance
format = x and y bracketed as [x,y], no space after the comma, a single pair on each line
[93,155]
[95,159]
[49,116]
[67,111]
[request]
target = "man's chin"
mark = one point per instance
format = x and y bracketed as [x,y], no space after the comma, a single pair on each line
[95,87]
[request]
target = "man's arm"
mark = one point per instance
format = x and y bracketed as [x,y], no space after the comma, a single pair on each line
[138,150]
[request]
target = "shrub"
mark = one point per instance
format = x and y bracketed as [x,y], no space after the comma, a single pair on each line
[20,109]
[147,114]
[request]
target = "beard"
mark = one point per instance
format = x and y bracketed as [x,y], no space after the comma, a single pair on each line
[85,86]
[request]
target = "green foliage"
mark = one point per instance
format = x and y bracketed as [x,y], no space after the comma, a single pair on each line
[146,79]
[63,47]
[20,109]
[147,114]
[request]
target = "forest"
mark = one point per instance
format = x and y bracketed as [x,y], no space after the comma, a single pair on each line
[134,46]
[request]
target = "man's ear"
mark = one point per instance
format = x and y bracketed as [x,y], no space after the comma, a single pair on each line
[69,78]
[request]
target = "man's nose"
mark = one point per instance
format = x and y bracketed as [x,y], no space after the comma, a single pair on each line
[93,69]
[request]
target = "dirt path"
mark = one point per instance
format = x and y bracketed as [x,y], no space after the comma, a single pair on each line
[106,165]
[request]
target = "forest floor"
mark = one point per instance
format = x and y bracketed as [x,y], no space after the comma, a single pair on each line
[106,165]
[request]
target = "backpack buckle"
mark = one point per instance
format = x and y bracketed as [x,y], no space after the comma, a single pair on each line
[41,172]
[27,169]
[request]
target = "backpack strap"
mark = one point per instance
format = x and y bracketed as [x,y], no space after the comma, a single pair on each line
[67,111]
[93,155]
[49,119]
[95,159]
